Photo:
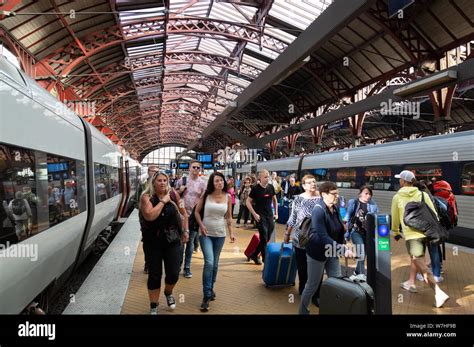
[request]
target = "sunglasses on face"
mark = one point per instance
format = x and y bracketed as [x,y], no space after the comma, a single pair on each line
[196,167]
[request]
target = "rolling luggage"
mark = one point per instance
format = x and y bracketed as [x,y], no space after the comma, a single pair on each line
[346,296]
[280,265]
[252,245]
[283,212]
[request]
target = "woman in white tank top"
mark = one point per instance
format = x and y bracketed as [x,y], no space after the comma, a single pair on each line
[217,206]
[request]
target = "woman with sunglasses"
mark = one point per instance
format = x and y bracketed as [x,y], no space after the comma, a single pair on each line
[212,231]
[158,208]
[325,243]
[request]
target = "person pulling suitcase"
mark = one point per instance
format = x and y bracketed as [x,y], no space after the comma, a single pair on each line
[326,243]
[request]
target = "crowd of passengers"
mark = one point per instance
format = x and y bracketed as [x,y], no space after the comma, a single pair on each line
[180,215]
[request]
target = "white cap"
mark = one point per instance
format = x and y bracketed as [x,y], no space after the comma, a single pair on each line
[406,175]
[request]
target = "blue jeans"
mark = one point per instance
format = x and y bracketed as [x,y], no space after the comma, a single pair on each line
[359,240]
[211,248]
[189,246]
[435,256]
[315,274]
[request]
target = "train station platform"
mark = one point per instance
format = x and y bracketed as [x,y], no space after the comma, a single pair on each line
[118,285]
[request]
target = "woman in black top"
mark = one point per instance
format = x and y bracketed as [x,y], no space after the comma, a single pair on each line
[325,244]
[162,233]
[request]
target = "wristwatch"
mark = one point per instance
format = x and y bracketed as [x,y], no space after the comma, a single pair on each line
[186,231]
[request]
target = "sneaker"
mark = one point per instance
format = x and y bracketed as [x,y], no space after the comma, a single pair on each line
[441,299]
[256,260]
[171,302]
[188,274]
[420,277]
[205,304]
[237,225]
[411,288]
[213,296]
[154,311]
[438,279]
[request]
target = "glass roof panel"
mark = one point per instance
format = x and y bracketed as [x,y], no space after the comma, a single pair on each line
[298,13]
[140,14]
[228,12]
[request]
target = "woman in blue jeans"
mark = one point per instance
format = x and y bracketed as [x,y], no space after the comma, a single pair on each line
[356,216]
[212,231]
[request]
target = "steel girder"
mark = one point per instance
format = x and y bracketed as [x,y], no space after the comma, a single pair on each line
[464,70]
[128,66]
[331,21]
[65,59]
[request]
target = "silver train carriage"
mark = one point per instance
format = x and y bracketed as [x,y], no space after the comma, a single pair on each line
[448,156]
[61,183]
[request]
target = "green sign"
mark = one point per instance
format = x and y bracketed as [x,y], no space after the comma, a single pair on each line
[384,244]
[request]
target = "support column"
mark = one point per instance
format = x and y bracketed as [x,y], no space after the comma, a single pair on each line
[317,134]
[291,143]
[356,123]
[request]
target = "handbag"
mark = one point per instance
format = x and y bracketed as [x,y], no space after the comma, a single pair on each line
[173,226]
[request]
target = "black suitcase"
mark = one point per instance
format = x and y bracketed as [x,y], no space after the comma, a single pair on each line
[345,296]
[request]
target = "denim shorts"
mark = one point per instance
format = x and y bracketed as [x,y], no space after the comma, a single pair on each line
[416,247]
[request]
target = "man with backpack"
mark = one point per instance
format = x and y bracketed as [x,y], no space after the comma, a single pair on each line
[415,238]
[443,190]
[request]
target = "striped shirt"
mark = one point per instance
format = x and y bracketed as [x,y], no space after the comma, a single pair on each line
[302,208]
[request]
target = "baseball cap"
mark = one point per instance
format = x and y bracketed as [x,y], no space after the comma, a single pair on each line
[406,175]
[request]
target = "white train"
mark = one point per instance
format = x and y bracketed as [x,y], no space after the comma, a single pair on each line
[448,156]
[61,183]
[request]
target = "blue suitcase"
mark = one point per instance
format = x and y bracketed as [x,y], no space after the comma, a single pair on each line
[283,213]
[280,265]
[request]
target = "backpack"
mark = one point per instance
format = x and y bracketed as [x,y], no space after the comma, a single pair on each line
[305,234]
[444,212]
[305,229]
[422,218]
[443,189]
[18,207]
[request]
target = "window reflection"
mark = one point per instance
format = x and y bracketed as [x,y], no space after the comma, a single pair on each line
[37,191]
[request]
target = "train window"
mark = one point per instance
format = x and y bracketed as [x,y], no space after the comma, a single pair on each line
[106,182]
[66,188]
[12,73]
[34,188]
[426,171]
[467,184]
[379,178]
[346,178]
[18,195]
[320,174]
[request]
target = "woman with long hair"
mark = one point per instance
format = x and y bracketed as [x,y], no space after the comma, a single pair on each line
[215,207]
[162,236]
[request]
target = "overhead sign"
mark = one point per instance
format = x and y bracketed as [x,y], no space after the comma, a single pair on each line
[335,125]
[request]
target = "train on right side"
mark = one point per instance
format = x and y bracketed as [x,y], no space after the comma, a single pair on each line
[448,157]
